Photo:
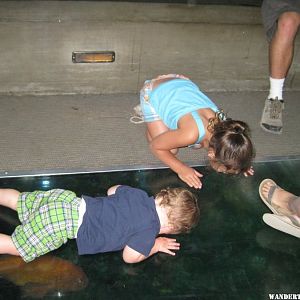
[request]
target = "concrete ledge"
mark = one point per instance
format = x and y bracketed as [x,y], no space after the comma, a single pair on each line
[222,48]
[85,11]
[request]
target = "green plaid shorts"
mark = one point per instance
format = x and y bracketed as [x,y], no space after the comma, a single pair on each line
[49,219]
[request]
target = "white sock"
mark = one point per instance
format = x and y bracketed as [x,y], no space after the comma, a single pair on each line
[276,87]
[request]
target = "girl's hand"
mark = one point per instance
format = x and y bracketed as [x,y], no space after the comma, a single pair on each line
[249,172]
[191,177]
[163,244]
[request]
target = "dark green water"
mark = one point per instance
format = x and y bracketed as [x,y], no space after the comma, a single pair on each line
[232,254]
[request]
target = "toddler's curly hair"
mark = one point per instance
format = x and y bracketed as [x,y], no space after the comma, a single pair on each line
[182,208]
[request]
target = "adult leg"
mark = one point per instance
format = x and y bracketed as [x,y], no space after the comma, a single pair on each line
[295,206]
[9,198]
[281,51]
[7,246]
[281,48]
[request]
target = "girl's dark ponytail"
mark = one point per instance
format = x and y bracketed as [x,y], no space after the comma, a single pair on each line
[232,144]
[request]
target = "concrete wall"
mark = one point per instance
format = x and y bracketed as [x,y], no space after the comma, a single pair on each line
[219,47]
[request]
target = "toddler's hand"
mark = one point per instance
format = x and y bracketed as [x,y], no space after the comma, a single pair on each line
[165,245]
[191,177]
[249,172]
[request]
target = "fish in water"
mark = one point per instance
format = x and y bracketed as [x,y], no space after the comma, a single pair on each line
[43,276]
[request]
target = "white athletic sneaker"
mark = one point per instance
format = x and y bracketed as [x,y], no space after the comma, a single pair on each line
[271,120]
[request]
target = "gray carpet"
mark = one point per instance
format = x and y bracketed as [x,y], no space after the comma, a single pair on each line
[92,133]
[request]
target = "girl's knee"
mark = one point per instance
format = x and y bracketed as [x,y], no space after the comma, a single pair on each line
[174,151]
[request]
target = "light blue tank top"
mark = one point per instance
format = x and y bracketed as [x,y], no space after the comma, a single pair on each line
[178,97]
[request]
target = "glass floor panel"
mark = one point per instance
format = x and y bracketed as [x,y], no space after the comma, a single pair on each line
[231,254]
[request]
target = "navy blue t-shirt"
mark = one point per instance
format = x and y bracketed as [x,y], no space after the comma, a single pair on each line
[110,223]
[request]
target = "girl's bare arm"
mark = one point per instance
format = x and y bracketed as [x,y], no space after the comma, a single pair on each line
[161,147]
